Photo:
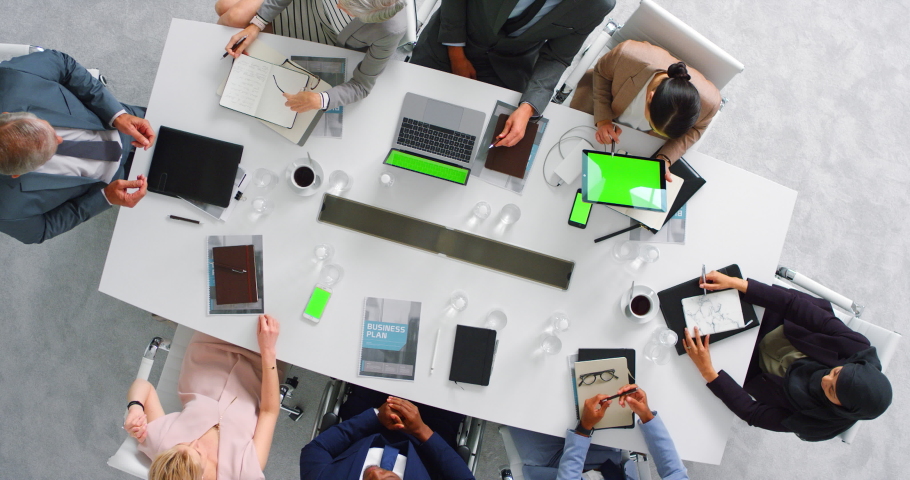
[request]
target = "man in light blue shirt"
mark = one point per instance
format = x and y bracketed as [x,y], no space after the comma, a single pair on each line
[547,457]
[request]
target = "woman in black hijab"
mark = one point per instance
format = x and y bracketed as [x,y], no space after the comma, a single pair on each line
[809,374]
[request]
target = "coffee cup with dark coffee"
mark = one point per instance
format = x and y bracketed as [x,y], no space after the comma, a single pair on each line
[304,176]
[639,303]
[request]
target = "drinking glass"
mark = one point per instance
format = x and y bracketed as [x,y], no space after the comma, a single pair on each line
[340,181]
[509,214]
[496,320]
[659,348]
[263,206]
[647,253]
[323,252]
[458,301]
[550,344]
[482,210]
[625,251]
[330,274]
[557,323]
[386,179]
[265,179]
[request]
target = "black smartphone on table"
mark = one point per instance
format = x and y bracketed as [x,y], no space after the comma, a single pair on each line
[581,211]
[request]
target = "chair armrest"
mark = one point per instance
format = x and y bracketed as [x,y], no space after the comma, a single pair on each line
[820,290]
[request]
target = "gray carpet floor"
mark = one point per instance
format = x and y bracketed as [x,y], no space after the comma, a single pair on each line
[821,108]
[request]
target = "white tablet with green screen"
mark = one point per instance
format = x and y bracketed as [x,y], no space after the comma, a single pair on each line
[623,180]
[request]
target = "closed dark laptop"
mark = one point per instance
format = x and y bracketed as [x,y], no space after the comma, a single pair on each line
[194,167]
[472,359]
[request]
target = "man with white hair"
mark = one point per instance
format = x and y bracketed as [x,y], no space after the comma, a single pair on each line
[63,147]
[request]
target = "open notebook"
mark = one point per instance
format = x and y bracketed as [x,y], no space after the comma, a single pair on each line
[617,376]
[256,87]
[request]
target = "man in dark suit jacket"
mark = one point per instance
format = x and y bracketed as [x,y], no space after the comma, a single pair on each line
[365,445]
[63,148]
[522,45]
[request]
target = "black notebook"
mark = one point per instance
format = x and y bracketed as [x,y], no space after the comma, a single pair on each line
[693,182]
[472,358]
[671,306]
[193,167]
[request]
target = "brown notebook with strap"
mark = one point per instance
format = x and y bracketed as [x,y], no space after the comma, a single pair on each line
[235,275]
[512,160]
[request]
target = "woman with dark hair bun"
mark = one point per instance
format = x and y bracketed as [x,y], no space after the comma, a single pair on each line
[642,86]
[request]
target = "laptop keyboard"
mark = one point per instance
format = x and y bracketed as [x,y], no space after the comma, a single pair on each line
[438,140]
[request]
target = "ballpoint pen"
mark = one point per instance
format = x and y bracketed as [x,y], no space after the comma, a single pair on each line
[184,219]
[704,280]
[221,265]
[235,45]
[435,348]
[620,395]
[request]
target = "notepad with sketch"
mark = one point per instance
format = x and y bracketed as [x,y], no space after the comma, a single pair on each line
[255,87]
[615,416]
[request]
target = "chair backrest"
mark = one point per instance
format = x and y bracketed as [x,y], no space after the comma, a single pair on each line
[652,24]
[10,50]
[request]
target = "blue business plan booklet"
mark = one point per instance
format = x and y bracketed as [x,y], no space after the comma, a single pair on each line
[389,339]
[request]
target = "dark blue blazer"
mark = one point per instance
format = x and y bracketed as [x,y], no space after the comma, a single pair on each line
[339,452]
[50,84]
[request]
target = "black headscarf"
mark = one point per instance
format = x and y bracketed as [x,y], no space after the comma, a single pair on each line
[863,390]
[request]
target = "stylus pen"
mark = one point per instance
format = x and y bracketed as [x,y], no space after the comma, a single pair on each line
[183,219]
[613,148]
[704,280]
[235,45]
[605,237]
[221,265]
[623,394]
[435,349]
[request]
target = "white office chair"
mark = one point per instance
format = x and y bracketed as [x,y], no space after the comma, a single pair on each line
[642,464]
[128,457]
[885,341]
[653,24]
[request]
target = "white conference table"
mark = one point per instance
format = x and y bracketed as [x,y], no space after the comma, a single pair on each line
[160,265]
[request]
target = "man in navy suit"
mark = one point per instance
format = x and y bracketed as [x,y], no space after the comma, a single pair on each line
[62,150]
[388,443]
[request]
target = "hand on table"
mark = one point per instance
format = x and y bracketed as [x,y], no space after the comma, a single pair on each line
[700,353]
[267,333]
[607,133]
[303,101]
[117,192]
[595,408]
[719,281]
[514,129]
[637,401]
[136,423]
[410,418]
[250,32]
[138,128]
[461,66]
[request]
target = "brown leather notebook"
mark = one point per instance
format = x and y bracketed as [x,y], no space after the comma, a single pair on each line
[512,160]
[235,275]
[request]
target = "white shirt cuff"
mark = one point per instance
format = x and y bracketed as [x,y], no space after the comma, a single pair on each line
[324,96]
[121,112]
[105,198]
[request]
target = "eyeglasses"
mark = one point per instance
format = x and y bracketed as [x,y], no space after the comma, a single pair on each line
[590,378]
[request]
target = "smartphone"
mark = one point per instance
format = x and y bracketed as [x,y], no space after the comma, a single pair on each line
[315,306]
[581,212]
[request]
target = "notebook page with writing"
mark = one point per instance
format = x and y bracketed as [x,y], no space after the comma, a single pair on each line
[245,84]
[615,415]
[272,102]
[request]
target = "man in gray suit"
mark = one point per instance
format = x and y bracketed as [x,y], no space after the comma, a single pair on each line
[522,45]
[63,148]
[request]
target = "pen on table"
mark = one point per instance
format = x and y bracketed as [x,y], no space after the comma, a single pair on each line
[221,265]
[435,348]
[620,395]
[704,280]
[611,235]
[235,45]
[183,219]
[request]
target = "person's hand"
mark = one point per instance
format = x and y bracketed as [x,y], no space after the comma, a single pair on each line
[267,333]
[514,129]
[136,423]
[700,353]
[461,66]
[719,281]
[389,419]
[138,128]
[250,32]
[117,192]
[667,175]
[607,133]
[595,408]
[303,101]
[637,401]
[410,418]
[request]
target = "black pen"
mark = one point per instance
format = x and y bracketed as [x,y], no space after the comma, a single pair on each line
[620,395]
[235,45]
[221,265]
[182,219]
[611,235]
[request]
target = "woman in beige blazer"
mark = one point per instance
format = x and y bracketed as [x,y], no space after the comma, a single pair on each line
[678,102]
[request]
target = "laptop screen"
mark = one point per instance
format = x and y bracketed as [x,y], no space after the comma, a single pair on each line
[623,180]
[427,166]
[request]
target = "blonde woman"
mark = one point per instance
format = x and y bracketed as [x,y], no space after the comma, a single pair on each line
[230,407]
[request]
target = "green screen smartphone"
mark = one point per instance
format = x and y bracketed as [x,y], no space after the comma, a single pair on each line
[581,211]
[315,306]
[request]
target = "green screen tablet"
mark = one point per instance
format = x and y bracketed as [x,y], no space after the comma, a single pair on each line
[427,166]
[623,180]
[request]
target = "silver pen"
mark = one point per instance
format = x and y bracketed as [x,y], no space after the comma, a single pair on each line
[704,280]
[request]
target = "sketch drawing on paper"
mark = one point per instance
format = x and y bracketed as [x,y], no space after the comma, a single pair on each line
[714,313]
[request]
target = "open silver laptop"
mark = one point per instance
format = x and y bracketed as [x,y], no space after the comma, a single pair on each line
[438,130]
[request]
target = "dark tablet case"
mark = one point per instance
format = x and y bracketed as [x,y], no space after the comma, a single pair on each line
[512,160]
[472,357]
[194,167]
[232,287]
[671,306]
[693,182]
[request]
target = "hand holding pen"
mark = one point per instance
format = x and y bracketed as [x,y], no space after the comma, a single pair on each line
[636,398]
[241,41]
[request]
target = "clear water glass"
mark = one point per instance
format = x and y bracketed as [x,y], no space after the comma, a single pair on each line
[509,214]
[659,348]
[458,301]
[550,344]
[331,274]
[625,251]
[647,253]
[496,320]
[340,181]
[323,252]
[482,210]
[558,323]
[265,179]
[263,206]
[386,179]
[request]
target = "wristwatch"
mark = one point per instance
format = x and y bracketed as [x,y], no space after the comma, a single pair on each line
[583,431]
[259,22]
